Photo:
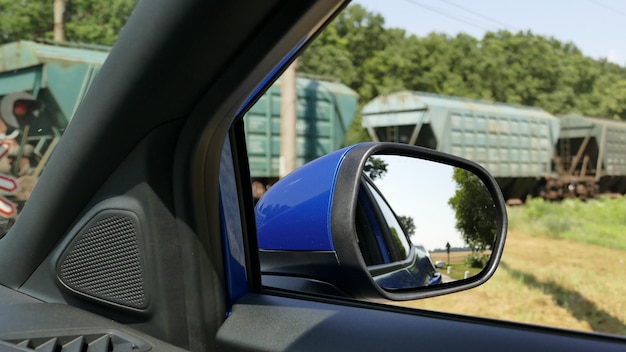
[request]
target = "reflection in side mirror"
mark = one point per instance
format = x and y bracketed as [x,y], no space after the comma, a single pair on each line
[411,204]
[358,222]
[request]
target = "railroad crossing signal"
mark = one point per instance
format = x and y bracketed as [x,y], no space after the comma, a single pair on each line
[19,109]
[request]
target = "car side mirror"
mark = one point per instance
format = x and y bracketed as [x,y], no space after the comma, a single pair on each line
[354,223]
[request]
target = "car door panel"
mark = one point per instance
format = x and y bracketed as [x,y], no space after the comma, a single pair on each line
[122,258]
[273,323]
[27,323]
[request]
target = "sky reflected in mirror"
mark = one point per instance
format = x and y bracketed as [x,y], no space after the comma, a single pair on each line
[421,189]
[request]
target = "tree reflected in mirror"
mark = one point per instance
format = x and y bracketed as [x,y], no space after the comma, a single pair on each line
[475,216]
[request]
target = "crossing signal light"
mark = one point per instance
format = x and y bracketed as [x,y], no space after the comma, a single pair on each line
[19,109]
[27,109]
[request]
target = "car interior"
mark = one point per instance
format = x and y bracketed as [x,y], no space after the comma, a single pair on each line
[140,234]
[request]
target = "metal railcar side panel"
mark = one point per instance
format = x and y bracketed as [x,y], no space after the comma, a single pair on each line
[325,111]
[515,143]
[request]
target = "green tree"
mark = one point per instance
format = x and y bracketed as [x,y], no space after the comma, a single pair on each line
[384,70]
[407,223]
[375,168]
[30,19]
[475,210]
[341,52]
[96,22]
[529,69]
[356,133]
[345,44]
[87,21]
[610,99]
[518,68]
[329,56]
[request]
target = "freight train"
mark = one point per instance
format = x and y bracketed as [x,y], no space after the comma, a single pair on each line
[40,89]
[325,110]
[529,151]
[42,84]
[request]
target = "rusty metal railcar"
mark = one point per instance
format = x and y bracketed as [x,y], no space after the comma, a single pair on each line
[515,143]
[59,75]
[591,155]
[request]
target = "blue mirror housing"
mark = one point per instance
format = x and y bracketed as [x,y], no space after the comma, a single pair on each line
[326,228]
[295,213]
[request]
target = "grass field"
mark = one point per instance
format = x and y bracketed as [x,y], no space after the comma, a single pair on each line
[600,221]
[558,279]
[457,262]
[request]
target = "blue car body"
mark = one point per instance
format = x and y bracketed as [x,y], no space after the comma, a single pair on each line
[294,217]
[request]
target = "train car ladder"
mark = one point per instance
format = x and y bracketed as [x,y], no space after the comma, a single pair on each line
[579,154]
[565,156]
[392,134]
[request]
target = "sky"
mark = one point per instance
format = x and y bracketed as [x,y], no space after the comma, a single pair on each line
[421,189]
[596,27]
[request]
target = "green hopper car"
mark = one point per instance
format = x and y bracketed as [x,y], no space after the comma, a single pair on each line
[515,143]
[57,76]
[325,110]
[41,86]
[592,154]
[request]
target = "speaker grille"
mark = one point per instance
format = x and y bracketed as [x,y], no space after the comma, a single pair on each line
[105,262]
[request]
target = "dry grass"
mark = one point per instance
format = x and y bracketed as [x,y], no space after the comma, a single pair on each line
[457,262]
[549,281]
[455,257]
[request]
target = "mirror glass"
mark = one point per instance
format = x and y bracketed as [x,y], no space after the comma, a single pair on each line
[422,223]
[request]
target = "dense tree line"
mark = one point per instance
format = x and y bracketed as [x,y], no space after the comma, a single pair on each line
[86,21]
[357,49]
[519,68]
